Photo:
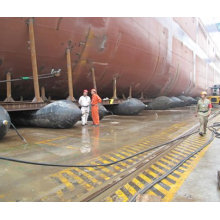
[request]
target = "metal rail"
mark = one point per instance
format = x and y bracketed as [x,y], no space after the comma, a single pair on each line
[147,161]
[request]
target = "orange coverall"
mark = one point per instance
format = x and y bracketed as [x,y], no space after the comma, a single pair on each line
[95,108]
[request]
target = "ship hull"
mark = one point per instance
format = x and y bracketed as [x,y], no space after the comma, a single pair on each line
[156,56]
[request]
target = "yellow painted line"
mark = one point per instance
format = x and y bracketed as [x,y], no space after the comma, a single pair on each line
[109,199]
[150,192]
[185,149]
[172,178]
[172,159]
[145,178]
[151,173]
[127,154]
[138,183]
[121,195]
[158,169]
[192,148]
[79,180]
[169,196]
[51,144]
[163,165]
[178,153]
[131,151]
[114,166]
[94,180]
[122,157]
[99,173]
[161,189]
[114,159]
[171,162]
[170,154]
[130,189]
[105,169]
[48,140]
[60,194]
[71,147]
[165,181]
[64,180]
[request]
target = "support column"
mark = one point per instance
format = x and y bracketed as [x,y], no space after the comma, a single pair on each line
[43,94]
[93,78]
[69,75]
[130,92]
[8,85]
[37,97]
[142,95]
[115,88]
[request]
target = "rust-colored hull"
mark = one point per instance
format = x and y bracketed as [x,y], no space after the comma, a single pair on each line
[159,56]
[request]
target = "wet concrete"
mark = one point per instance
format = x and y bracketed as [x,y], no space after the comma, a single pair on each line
[21,182]
[202,185]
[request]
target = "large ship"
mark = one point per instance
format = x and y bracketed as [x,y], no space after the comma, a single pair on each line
[153,56]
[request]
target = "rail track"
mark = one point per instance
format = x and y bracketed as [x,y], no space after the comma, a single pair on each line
[122,181]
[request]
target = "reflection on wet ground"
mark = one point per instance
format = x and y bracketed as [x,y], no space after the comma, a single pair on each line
[71,146]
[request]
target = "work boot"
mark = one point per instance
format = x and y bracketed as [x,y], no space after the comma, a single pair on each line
[200,133]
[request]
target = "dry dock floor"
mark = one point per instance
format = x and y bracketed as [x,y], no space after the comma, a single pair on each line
[115,138]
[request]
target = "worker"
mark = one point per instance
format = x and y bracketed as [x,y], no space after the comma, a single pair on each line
[95,108]
[84,102]
[203,110]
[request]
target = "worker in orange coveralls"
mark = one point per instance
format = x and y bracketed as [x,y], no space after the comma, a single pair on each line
[95,108]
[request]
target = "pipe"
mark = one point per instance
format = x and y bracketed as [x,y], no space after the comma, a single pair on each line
[69,75]
[37,97]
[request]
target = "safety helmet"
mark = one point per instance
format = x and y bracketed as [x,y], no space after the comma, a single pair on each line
[85,90]
[203,93]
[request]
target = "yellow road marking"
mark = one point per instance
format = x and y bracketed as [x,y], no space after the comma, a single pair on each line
[79,180]
[102,175]
[94,180]
[64,180]
[121,195]
[171,162]
[161,189]
[114,159]
[138,183]
[105,169]
[179,153]
[130,188]
[163,165]
[109,199]
[49,140]
[169,196]
[146,178]
[60,194]
[152,173]
[114,166]
[165,181]
[122,157]
[158,169]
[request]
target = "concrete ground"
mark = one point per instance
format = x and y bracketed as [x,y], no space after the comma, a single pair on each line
[22,182]
[202,185]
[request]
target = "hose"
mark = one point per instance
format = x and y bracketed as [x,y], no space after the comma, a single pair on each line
[54,73]
[22,138]
[215,133]
[95,165]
